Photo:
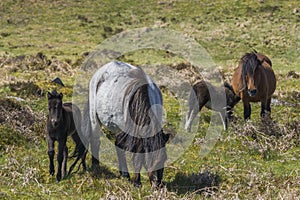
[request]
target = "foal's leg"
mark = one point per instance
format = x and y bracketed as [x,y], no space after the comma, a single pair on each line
[193,112]
[224,119]
[64,163]
[50,143]
[60,157]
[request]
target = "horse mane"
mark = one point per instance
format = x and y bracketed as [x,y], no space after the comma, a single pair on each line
[54,95]
[249,62]
[138,79]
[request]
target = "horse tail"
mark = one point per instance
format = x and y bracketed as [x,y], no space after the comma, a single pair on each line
[94,85]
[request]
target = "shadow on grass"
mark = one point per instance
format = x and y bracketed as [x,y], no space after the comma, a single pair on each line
[200,182]
[101,171]
[97,172]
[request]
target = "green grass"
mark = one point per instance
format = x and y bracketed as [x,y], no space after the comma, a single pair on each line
[251,160]
[66,29]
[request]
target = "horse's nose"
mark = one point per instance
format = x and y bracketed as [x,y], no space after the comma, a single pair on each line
[54,122]
[252,92]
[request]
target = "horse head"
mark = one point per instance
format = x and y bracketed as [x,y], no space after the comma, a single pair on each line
[55,107]
[231,99]
[250,62]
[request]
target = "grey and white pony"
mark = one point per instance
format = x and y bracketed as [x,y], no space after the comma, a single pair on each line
[127,102]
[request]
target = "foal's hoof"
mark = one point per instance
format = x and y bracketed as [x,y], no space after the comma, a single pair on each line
[137,184]
[51,172]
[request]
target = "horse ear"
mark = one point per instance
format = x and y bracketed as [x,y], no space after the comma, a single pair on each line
[260,61]
[61,95]
[49,95]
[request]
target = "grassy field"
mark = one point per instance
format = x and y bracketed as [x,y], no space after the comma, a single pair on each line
[41,40]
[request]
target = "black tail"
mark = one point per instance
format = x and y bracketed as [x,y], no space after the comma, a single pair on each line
[79,152]
[81,155]
[78,142]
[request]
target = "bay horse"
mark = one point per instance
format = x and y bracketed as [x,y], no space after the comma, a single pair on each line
[61,122]
[254,80]
[126,101]
[200,96]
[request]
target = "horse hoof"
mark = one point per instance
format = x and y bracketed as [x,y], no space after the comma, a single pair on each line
[125,175]
[51,172]
[95,161]
[96,170]
[137,184]
[84,168]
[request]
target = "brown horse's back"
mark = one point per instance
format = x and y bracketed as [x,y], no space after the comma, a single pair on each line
[264,59]
[270,75]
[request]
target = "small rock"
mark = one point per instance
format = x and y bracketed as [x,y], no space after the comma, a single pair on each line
[293,74]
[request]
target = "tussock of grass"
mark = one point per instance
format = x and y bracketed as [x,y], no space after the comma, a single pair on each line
[267,136]
[22,120]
